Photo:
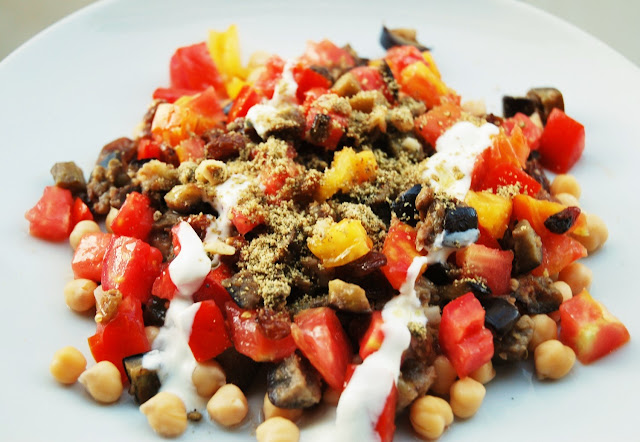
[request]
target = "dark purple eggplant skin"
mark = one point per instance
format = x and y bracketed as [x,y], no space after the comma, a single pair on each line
[390,38]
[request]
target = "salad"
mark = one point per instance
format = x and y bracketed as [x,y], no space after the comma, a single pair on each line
[351,226]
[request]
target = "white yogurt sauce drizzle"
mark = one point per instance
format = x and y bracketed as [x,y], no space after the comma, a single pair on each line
[171,355]
[284,96]
[363,400]
[455,157]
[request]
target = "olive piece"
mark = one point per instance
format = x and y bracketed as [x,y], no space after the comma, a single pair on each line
[405,206]
[500,314]
[460,219]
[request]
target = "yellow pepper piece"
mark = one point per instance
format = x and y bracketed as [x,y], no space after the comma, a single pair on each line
[341,243]
[420,82]
[428,58]
[234,86]
[347,169]
[494,211]
[224,48]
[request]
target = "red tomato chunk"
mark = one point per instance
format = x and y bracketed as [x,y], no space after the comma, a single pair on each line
[463,336]
[209,335]
[320,337]
[50,218]
[131,266]
[88,257]
[120,337]
[135,217]
[562,142]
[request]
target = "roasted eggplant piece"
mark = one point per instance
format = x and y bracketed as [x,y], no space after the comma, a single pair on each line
[155,311]
[400,37]
[513,105]
[240,369]
[294,383]
[69,176]
[547,98]
[144,382]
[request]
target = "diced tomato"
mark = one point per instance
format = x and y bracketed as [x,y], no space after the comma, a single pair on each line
[400,248]
[149,149]
[192,67]
[530,130]
[399,57]
[274,181]
[562,142]
[88,257]
[80,212]
[373,337]
[122,336]
[50,218]
[307,79]
[246,99]
[191,149]
[386,425]
[135,217]
[249,339]
[492,265]
[131,266]
[371,79]
[213,289]
[462,335]
[486,239]
[510,175]
[208,336]
[163,286]
[589,329]
[558,251]
[437,120]
[266,82]
[206,104]
[320,337]
[171,94]
[326,54]
[243,223]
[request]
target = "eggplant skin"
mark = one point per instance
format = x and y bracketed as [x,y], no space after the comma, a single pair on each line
[144,382]
[294,383]
[400,37]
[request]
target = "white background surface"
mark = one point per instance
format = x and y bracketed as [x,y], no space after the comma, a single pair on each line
[615,22]
[88,81]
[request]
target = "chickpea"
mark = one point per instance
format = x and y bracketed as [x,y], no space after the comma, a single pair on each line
[598,233]
[277,429]
[568,200]
[166,414]
[484,374]
[445,375]
[553,359]
[152,333]
[566,184]
[271,410]
[544,329]
[208,377]
[78,294]
[80,230]
[430,416]
[228,406]
[103,382]
[577,275]
[68,363]
[564,289]
[466,396]
[113,212]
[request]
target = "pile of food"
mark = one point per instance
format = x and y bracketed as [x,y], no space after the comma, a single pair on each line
[350,226]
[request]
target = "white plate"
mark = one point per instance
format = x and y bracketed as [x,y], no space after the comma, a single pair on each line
[88,79]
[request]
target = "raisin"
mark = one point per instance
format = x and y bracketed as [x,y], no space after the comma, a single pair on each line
[562,221]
